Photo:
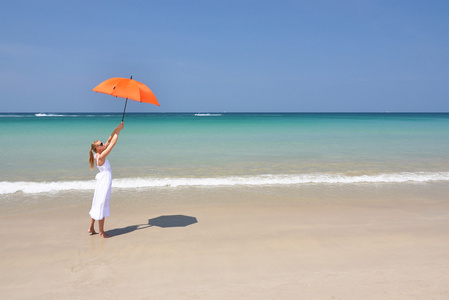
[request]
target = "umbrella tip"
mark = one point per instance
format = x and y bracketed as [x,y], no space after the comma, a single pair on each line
[131,77]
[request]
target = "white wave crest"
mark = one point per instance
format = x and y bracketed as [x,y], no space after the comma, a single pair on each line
[261,180]
[48,115]
[207,115]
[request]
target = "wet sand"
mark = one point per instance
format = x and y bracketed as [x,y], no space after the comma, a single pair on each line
[319,242]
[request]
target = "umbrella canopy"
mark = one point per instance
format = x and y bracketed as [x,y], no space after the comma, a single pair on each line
[126,88]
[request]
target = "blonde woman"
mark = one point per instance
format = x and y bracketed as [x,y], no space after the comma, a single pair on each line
[102,195]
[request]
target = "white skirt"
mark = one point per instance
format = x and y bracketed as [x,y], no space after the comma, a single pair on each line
[102,196]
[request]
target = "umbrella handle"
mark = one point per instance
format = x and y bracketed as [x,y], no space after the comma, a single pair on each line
[125,104]
[124,109]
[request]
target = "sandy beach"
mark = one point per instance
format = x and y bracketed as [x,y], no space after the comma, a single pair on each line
[319,242]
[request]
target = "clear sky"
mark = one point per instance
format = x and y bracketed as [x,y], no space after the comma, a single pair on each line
[234,56]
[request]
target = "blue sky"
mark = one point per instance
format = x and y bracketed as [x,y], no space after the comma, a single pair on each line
[234,56]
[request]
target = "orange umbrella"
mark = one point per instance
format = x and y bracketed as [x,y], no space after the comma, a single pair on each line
[127,88]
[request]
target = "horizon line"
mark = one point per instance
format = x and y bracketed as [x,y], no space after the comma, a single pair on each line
[238,112]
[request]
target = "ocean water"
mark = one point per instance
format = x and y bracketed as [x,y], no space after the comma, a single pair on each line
[48,153]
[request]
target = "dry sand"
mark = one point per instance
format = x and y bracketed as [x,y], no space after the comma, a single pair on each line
[267,243]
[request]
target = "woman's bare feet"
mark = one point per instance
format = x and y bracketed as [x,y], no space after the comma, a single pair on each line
[91,231]
[104,235]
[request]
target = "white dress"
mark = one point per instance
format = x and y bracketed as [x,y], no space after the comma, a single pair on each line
[102,195]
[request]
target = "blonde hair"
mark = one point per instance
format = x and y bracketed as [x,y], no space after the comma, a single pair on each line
[93,147]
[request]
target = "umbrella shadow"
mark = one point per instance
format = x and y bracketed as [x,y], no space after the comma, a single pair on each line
[172,221]
[161,221]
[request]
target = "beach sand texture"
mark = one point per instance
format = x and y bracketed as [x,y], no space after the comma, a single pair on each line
[389,242]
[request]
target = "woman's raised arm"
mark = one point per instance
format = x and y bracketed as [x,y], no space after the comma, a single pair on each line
[110,143]
[113,133]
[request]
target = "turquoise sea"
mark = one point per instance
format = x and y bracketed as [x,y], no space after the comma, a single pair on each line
[48,153]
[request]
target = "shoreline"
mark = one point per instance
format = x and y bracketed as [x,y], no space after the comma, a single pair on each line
[318,242]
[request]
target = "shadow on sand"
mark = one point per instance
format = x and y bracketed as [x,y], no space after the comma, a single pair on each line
[162,221]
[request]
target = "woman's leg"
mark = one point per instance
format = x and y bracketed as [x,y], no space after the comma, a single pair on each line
[102,233]
[91,228]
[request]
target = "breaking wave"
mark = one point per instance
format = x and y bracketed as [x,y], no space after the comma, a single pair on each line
[7,187]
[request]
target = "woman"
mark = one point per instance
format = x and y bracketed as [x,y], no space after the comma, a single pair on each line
[102,195]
